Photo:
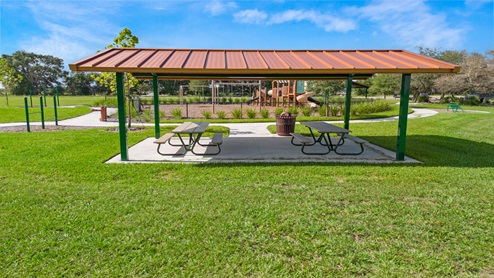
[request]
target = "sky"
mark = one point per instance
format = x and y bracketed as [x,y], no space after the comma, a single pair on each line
[75,29]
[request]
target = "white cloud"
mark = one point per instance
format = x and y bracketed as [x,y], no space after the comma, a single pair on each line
[411,23]
[476,4]
[217,7]
[73,29]
[250,16]
[327,22]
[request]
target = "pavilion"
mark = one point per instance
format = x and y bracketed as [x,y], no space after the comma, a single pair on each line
[227,64]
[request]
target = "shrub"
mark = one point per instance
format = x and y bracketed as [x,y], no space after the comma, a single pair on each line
[423,98]
[306,111]
[279,110]
[206,114]
[293,110]
[221,114]
[322,111]
[334,110]
[109,102]
[251,113]
[177,113]
[237,113]
[264,113]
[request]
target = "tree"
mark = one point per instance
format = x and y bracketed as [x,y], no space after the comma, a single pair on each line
[385,84]
[426,82]
[80,83]
[198,86]
[126,40]
[8,77]
[475,76]
[330,87]
[39,71]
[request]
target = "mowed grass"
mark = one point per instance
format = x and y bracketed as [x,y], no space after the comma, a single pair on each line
[16,115]
[63,212]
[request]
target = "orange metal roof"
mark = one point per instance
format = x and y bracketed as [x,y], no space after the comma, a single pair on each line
[259,63]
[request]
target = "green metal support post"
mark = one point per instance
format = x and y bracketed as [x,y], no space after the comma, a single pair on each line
[42,112]
[55,109]
[121,117]
[402,121]
[348,100]
[27,114]
[156,107]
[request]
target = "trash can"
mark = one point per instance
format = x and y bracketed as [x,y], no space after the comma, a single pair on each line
[285,124]
[103,114]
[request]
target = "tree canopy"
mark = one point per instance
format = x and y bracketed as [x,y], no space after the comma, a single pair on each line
[38,71]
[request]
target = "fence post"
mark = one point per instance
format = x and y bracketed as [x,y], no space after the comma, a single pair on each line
[27,114]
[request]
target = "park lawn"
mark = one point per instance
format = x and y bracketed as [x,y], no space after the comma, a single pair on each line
[18,101]
[65,213]
[16,114]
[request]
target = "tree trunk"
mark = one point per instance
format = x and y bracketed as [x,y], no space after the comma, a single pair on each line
[7,97]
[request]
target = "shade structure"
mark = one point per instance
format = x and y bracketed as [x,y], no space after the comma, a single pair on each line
[218,64]
[259,64]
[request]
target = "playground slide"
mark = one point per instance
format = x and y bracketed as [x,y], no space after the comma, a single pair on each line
[310,99]
[252,99]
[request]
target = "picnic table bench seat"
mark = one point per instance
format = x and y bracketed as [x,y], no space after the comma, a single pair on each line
[357,140]
[163,140]
[216,141]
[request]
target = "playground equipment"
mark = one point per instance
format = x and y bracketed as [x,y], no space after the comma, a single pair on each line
[42,111]
[286,91]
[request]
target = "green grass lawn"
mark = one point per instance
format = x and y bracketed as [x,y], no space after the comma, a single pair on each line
[18,101]
[16,115]
[63,212]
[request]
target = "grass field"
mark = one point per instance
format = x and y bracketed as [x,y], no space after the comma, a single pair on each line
[63,212]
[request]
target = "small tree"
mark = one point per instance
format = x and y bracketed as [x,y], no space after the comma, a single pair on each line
[8,77]
[126,40]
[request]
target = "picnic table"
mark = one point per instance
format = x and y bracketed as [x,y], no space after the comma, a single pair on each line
[194,132]
[324,139]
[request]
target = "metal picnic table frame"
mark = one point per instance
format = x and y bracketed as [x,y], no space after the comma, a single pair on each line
[324,138]
[194,131]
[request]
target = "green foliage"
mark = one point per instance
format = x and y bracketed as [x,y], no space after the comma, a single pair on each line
[177,113]
[306,111]
[330,87]
[79,83]
[322,110]
[251,113]
[109,102]
[369,107]
[264,113]
[335,110]
[38,71]
[278,110]
[221,114]
[423,98]
[125,39]
[385,84]
[206,114]
[237,113]
[293,110]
